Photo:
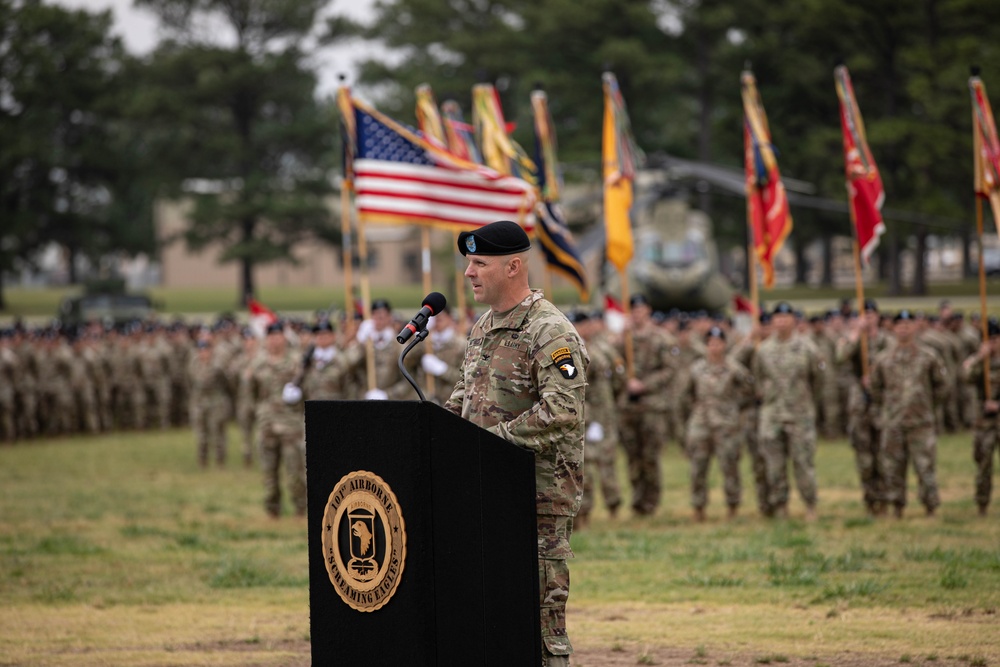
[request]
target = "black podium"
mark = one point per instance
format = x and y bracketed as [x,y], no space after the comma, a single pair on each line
[422,539]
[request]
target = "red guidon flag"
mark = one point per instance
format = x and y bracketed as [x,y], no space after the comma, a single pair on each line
[987,148]
[864,185]
[767,202]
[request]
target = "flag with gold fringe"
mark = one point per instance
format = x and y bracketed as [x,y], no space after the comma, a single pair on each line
[499,151]
[864,184]
[619,157]
[460,136]
[767,202]
[986,148]
[558,245]
[400,177]
[429,118]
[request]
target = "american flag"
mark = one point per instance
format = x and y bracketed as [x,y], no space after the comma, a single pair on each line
[399,177]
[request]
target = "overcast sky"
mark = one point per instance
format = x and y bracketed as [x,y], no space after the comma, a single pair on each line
[138,30]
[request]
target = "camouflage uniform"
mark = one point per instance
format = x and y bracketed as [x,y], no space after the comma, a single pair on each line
[330,372]
[208,393]
[26,391]
[716,393]
[604,375]
[82,380]
[686,352]
[524,379]
[788,373]
[156,373]
[986,435]
[862,419]
[934,340]
[644,418]
[8,381]
[59,403]
[908,382]
[749,418]
[179,345]
[281,430]
[828,414]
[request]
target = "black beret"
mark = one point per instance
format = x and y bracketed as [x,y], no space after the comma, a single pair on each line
[715,332]
[638,300]
[502,237]
[992,327]
[904,315]
[381,304]
[871,305]
[765,318]
[322,325]
[783,308]
[203,345]
[578,316]
[275,327]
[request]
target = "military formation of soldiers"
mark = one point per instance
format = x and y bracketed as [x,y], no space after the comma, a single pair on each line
[889,382]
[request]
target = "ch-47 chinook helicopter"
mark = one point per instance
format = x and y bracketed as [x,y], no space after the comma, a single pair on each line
[676,264]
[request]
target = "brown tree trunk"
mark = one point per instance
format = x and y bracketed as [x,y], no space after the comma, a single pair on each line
[920,266]
[801,269]
[246,266]
[893,265]
[826,280]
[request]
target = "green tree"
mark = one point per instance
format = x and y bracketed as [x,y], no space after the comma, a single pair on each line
[237,110]
[59,116]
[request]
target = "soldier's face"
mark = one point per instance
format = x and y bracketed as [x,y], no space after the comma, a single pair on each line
[783,323]
[275,342]
[905,330]
[485,274]
[382,318]
[324,338]
[715,346]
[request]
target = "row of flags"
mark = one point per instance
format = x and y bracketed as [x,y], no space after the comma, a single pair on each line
[453,174]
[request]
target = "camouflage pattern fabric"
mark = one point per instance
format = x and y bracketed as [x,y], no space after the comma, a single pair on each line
[9,371]
[281,429]
[788,373]
[908,382]
[986,433]
[716,393]
[644,418]
[606,371]
[524,379]
[744,352]
[208,395]
[862,431]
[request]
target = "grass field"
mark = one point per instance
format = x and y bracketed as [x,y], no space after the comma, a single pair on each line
[119,550]
[42,304]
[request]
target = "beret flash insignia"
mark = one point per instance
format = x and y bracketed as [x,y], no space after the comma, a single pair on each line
[470,243]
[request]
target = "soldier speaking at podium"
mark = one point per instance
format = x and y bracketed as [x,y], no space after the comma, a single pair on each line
[523,379]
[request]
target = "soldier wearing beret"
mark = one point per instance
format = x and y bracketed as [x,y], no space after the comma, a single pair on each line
[524,378]
[986,434]
[788,370]
[908,381]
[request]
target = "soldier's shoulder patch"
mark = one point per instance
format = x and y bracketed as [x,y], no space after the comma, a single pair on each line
[563,360]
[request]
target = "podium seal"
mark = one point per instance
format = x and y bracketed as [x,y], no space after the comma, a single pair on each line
[364,540]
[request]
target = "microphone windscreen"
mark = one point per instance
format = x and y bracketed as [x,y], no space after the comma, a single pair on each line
[435,301]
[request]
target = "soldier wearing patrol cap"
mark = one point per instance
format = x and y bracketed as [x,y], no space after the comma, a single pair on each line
[908,381]
[986,433]
[523,379]
[788,371]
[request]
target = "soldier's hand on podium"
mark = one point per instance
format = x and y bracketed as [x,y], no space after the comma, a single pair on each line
[595,432]
[433,366]
[376,395]
[291,394]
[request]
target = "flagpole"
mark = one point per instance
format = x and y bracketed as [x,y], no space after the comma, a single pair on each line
[425,254]
[347,251]
[859,287]
[752,263]
[983,323]
[627,308]
[366,304]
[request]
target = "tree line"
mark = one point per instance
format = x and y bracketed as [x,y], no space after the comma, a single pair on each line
[91,136]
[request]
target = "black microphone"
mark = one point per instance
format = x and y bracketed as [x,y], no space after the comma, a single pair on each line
[433,304]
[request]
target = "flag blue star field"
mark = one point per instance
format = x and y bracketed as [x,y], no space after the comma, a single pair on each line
[399,177]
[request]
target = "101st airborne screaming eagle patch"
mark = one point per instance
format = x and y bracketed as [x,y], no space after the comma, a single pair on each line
[563,359]
[364,540]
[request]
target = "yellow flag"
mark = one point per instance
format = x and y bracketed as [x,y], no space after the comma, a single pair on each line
[618,158]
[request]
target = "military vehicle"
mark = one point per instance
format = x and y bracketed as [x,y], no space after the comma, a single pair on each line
[106,302]
[676,263]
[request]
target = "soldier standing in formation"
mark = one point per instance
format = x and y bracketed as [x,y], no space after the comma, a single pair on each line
[908,382]
[788,371]
[644,406]
[523,379]
[717,388]
[444,360]
[208,393]
[281,430]
[605,377]
[986,436]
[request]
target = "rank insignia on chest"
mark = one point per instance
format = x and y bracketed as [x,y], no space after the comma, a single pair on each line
[563,360]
